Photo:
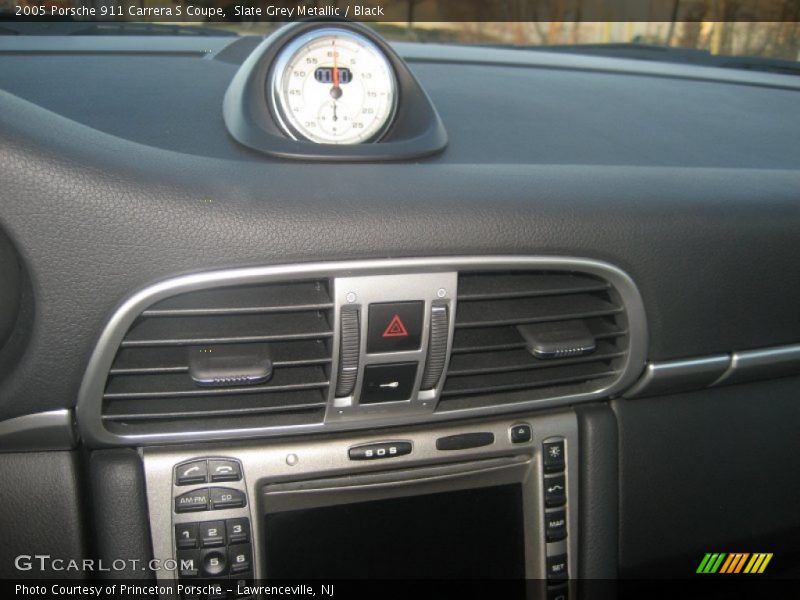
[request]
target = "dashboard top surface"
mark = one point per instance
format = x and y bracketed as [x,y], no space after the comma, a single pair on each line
[523,107]
[686,182]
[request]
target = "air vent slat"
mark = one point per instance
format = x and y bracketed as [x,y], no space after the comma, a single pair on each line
[174,359]
[507,338]
[514,380]
[131,409]
[194,331]
[532,310]
[491,363]
[519,360]
[490,286]
[287,297]
[152,388]
[169,385]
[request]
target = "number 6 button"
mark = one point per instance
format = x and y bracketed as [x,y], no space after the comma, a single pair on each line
[241,558]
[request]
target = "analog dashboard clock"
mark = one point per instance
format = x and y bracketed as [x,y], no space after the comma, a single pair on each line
[333,86]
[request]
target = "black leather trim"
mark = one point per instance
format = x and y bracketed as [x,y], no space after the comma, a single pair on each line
[598,493]
[96,217]
[41,513]
[716,470]
[119,510]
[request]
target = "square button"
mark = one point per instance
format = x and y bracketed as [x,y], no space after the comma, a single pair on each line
[388,383]
[553,457]
[555,525]
[557,567]
[212,533]
[555,491]
[186,536]
[241,558]
[188,473]
[238,530]
[394,326]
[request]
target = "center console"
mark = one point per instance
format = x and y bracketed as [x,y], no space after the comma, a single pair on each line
[392,419]
[495,499]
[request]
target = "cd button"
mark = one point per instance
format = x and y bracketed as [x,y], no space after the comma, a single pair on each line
[227,498]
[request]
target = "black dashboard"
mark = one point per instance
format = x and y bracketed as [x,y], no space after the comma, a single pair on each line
[119,175]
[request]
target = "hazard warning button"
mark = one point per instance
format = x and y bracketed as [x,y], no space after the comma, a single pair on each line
[394,326]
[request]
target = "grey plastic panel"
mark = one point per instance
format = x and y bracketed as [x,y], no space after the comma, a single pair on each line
[679,375]
[399,273]
[675,376]
[52,430]
[319,472]
[752,365]
[375,289]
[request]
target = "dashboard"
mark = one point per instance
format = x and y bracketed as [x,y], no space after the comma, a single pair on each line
[254,297]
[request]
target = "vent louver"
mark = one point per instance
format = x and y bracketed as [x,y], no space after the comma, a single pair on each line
[491,362]
[150,388]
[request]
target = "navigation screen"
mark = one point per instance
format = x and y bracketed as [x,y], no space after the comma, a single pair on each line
[475,533]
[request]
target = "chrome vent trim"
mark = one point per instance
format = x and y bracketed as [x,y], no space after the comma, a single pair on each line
[156,301]
[491,363]
[151,388]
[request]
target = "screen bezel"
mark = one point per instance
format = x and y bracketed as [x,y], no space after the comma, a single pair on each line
[367,487]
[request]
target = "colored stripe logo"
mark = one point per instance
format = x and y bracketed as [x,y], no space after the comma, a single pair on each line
[733,563]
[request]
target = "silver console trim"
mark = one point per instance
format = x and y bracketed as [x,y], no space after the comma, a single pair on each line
[751,365]
[677,375]
[90,395]
[51,430]
[282,464]
[741,366]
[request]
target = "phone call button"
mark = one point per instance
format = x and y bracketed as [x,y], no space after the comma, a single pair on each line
[224,470]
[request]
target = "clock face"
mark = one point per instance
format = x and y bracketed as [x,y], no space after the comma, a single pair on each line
[333,86]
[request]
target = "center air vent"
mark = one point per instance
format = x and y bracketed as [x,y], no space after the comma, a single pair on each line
[224,358]
[528,335]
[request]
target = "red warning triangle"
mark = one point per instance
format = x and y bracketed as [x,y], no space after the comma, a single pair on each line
[395,328]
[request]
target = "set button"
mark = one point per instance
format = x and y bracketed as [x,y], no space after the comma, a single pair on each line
[557,567]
